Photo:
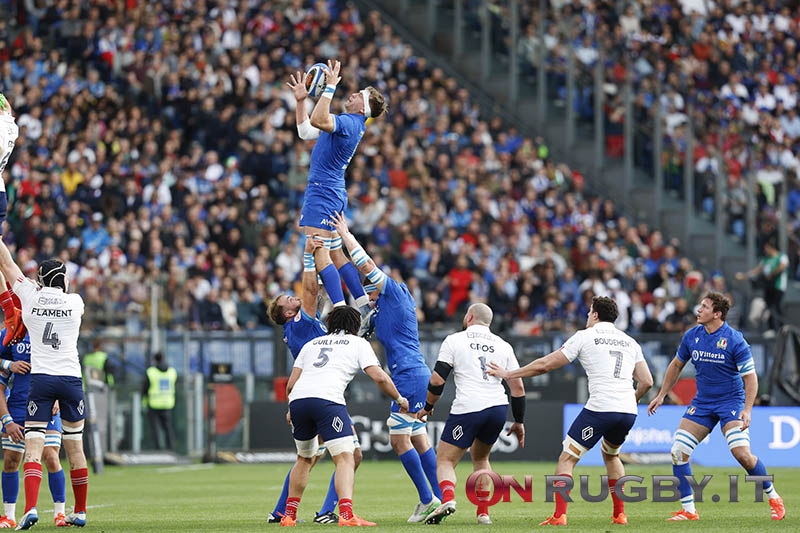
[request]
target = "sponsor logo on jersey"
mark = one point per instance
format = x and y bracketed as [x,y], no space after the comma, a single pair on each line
[337,424]
[458,432]
[708,357]
[696,340]
[722,343]
[587,432]
[32,408]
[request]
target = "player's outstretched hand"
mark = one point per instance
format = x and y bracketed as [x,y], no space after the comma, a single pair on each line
[334,67]
[744,416]
[298,86]
[313,242]
[496,370]
[339,223]
[655,404]
[14,431]
[20,367]
[518,430]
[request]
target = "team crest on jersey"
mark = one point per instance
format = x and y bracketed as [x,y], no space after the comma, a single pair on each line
[722,343]
[690,410]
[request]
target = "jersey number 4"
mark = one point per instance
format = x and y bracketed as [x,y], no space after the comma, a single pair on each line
[50,337]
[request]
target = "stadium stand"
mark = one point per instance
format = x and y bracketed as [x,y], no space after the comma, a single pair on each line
[159,145]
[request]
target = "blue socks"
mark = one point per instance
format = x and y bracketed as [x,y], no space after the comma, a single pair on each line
[413,465]
[758,470]
[10,482]
[349,274]
[333,284]
[58,486]
[331,499]
[280,507]
[428,460]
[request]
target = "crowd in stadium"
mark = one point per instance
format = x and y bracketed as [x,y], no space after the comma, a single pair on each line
[164,148]
[731,65]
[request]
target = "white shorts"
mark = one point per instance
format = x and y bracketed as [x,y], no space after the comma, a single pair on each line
[405,424]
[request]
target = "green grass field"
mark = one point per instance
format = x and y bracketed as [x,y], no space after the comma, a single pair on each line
[238,498]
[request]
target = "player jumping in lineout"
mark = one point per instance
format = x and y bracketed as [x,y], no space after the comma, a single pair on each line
[726,389]
[325,195]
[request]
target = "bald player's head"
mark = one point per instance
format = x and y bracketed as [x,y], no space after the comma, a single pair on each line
[478,314]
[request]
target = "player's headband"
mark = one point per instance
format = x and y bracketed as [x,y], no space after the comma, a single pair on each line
[365,96]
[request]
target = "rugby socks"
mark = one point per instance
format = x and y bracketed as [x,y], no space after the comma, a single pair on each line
[448,490]
[428,460]
[483,498]
[413,466]
[280,507]
[761,470]
[350,276]
[619,505]
[561,503]
[7,303]
[32,473]
[10,482]
[331,498]
[345,508]
[685,489]
[333,284]
[58,489]
[291,507]
[80,486]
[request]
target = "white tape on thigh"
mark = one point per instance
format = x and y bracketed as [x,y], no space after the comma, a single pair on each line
[340,445]
[12,446]
[52,439]
[570,445]
[307,448]
[608,449]
[401,423]
[737,438]
[684,444]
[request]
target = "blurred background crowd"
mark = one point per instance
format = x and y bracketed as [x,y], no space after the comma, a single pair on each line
[158,147]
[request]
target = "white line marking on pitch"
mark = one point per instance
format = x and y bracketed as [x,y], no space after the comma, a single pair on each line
[187,468]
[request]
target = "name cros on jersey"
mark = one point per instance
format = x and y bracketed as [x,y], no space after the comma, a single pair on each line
[301,329]
[396,327]
[333,151]
[329,364]
[53,319]
[469,353]
[720,358]
[608,356]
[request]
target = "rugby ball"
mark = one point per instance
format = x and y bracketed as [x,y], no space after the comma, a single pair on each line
[316,79]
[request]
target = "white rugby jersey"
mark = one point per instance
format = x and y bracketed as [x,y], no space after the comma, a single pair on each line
[608,356]
[469,352]
[329,364]
[9,131]
[53,319]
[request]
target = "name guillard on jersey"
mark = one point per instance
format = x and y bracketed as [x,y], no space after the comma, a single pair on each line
[708,357]
[51,313]
[329,342]
[612,342]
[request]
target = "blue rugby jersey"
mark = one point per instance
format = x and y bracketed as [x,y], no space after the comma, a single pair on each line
[333,151]
[396,327]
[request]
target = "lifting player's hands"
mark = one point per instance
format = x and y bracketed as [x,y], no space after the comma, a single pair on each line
[744,416]
[333,72]
[654,405]
[518,430]
[14,431]
[298,86]
[20,367]
[313,242]
[339,223]
[496,370]
[15,328]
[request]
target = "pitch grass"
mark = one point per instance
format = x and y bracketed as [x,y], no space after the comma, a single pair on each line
[238,498]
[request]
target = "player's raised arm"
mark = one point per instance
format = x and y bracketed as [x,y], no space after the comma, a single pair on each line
[310,286]
[541,366]
[321,117]
[671,377]
[7,265]
[363,262]
[305,130]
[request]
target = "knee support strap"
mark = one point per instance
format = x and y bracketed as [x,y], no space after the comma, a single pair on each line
[73,432]
[573,447]
[609,449]
[684,443]
[737,438]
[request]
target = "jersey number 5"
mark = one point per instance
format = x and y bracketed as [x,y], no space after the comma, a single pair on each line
[322,358]
[50,337]
[616,354]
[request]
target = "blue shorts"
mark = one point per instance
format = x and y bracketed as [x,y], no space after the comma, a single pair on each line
[590,426]
[320,203]
[486,425]
[413,385]
[315,416]
[18,413]
[46,389]
[709,414]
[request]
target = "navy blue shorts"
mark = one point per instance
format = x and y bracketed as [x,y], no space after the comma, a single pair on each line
[413,385]
[315,416]
[320,203]
[709,414]
[18,413]
[486,425]
[46,389]
[590,426]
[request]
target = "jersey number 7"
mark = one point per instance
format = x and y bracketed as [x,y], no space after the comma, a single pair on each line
[50,337]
